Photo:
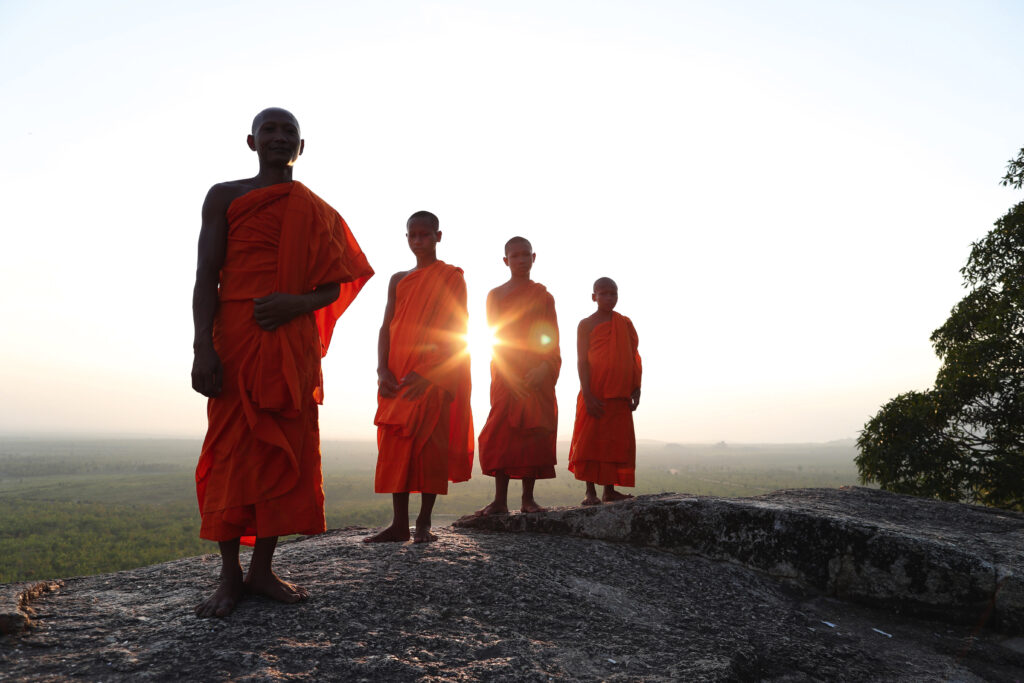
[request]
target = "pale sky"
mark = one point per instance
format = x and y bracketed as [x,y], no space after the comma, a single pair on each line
[784,191]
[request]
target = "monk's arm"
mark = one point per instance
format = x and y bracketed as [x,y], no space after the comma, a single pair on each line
[276,309]
[386,382]
[594,405]
[207,372]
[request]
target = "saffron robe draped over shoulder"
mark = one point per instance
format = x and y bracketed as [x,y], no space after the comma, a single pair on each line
[603,450]
[518,439]
[259,470]
[426,442]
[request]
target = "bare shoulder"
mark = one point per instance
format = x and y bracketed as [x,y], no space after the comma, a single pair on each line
[499,292]
[221,195]
[587,324]
[397,277]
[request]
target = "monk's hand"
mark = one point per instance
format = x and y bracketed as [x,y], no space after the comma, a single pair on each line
[634,399]
[207,371]
[276,309]
[414,385]
[387,385]
[595,406]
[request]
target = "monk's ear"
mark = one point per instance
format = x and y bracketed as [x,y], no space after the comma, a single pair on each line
[593,297]
[534,259]
[438,236]
[302,146]
[252,142]
[504,260]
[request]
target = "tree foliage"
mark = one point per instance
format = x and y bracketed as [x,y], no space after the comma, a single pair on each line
[964,438]
[1015,171]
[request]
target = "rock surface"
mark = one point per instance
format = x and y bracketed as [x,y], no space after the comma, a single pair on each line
[500,606]
[961,563]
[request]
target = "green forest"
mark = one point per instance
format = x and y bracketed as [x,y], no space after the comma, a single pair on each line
[88,506]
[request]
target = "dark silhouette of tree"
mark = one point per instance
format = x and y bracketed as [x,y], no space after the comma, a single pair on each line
[964,438]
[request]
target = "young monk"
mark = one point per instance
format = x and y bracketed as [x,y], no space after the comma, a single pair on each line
[424,423]
[603,449]
[518,439]
[277,267]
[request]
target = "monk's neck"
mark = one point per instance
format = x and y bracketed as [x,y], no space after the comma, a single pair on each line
[602,316]
[515,282]
[273,176]
[425,261]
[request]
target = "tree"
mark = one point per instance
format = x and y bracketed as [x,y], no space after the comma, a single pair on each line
[964,438]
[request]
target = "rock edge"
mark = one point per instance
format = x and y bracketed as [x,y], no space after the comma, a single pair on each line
[954,562]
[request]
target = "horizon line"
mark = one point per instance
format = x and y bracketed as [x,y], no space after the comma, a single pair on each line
[143,436]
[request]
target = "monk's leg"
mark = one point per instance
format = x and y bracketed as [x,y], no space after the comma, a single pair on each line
[261,579]
[229,592]
[423,534]
[591,497]
[499,506]
[611,495]
[529,504]
[398,532]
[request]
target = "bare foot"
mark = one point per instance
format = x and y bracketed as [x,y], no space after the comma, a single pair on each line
[612,496]
[423,534]
[591,499]
[274,587]
[389,535]
[224,599]
[423,537]
[491,509]
[531,506]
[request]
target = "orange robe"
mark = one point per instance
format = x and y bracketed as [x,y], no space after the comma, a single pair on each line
[259,470]
[603,450]
[426,442]
[518,439]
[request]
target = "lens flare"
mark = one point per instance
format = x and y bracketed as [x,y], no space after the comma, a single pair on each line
[480,340]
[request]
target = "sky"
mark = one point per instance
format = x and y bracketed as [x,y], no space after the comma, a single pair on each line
[784,191]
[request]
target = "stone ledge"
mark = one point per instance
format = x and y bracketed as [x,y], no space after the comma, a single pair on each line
[15,612]
[958,563]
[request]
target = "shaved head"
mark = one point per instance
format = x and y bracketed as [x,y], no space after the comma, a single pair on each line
[605,282]
[426,216]
[517,240]
[275,112]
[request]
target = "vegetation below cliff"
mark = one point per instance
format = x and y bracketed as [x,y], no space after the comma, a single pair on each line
[86,506]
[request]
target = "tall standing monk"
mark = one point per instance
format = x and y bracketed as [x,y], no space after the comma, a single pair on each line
[518,439]
[424,422]
[603,449]
[277,267]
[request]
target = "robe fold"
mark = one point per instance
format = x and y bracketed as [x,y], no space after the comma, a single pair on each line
[603,450]
[426,442]
[259,470]
[518,439]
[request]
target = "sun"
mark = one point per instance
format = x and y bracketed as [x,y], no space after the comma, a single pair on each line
[480,341]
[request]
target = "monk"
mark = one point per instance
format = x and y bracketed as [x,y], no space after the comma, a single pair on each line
[518,439]
[603,449]
[424,422]
[277,267]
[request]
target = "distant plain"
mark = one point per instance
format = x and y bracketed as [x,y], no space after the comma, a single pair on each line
[72,507]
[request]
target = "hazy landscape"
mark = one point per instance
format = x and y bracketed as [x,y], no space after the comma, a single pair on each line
[72,507]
